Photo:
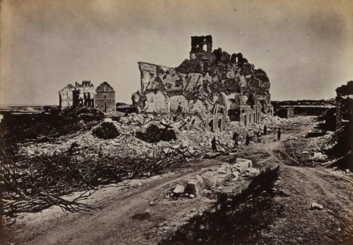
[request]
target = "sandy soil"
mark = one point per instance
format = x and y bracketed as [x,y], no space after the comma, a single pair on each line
[118,217]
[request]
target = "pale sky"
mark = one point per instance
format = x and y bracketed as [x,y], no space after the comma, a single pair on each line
[305,47]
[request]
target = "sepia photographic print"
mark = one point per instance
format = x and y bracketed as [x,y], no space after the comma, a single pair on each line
[176,122]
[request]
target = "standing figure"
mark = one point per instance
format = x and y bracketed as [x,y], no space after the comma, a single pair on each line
[235,138]
[214,144]
[180,109]
[265,130]
[247,139]
[279,134]
[259,137]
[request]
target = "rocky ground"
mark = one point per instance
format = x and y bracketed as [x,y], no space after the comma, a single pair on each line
[316,208]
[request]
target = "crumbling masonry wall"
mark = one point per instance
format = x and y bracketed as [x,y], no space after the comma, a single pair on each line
[220,86]
[83,94]
[66,97]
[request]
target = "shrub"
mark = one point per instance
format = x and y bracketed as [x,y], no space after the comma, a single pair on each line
[105,131]
[154,134]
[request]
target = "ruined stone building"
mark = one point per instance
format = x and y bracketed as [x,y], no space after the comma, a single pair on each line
[85,94]
[105,98]
[66,96]
[212,83]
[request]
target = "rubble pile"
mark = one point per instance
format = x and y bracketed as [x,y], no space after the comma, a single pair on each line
[277,122]
[212,180]
[189,140]
[317,147]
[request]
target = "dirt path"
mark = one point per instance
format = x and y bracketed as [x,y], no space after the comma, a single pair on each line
[113,222]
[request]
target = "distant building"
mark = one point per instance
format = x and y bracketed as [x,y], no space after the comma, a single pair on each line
[85,94]
[105,98]
[66,97]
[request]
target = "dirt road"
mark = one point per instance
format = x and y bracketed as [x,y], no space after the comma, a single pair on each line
[118,217]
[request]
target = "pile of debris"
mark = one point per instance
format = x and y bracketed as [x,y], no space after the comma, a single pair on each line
[183,138]
[317,147]
[208,182]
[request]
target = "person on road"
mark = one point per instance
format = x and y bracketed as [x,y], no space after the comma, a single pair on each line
[259,137]
[279,134]
[247,141]
[235,138]
[214,144]
[265,130]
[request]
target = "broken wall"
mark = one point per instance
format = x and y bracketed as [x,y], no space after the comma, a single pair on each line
[157,102]
[66,97]
[83,94]
[196,84]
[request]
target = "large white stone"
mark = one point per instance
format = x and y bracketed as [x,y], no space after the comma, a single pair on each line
[194,186]
[209,178]
[253,172]
[242,164]
[179,189]
[222,178]
[224,169]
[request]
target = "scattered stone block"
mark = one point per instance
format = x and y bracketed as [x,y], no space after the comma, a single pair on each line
[319,156]
[316,206]
[235,175]
[242,164]
[222,178]
[179,189]
[224,169]
[194,186]
[209,178]
[199,178]
[253,172]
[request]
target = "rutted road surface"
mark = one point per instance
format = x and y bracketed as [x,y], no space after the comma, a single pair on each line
[112,221]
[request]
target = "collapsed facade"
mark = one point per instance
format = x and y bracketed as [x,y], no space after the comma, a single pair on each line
[85,94]
[213,84]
